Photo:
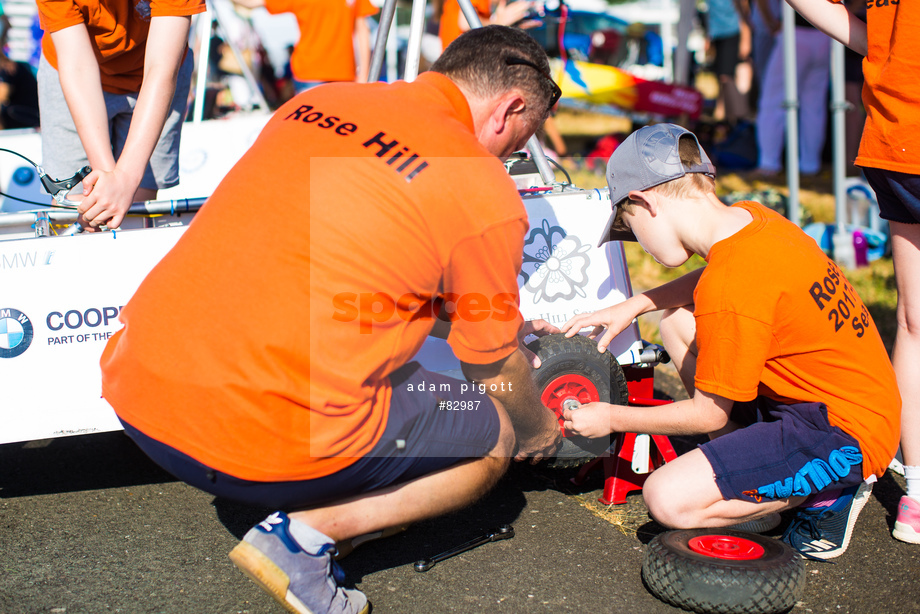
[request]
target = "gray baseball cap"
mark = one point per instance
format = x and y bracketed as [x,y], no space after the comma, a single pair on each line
[648,157]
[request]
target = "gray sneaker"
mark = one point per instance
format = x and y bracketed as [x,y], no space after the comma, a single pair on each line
[304,580]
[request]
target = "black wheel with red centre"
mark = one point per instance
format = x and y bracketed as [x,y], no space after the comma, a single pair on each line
[723,571]
[574,373]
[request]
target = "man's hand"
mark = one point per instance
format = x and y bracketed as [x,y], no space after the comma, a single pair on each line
[542,445]
[107,196]
[535,426]
[589,420]
[540,328]
[610,321]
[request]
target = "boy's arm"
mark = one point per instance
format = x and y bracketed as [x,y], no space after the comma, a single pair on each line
[614,320]
[110,191]
[703,414]
[836,21]
[82,86]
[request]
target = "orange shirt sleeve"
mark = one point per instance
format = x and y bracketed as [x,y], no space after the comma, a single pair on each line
[363,8]
[481,283]
[167,8]
[279,6]
[54,15]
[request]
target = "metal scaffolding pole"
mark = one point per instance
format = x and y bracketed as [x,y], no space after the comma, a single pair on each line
[791,104]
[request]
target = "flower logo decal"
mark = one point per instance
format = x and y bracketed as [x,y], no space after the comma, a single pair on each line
[555,264]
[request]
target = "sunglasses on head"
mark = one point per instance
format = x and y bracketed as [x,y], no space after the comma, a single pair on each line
[557,93]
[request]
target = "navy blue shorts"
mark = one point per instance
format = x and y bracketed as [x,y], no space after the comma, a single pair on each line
[782,451]
[426,431]
[898,195]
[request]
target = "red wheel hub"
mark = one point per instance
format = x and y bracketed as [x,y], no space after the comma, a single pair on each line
[726,547]
[566,387]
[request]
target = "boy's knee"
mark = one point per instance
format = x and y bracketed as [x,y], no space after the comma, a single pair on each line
[663,506]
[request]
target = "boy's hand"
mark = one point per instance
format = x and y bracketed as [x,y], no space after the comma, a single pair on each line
[107,196]
[610,321]
[540,328]
[590,420]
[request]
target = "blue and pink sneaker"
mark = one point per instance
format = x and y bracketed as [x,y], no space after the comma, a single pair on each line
[907,526]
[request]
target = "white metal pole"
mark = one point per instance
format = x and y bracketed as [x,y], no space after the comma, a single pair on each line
[383,30]
[201,73]
[393,55]
[416,29]
[792,112]
[844,250]
[682,52]
[838,110]
[667,38]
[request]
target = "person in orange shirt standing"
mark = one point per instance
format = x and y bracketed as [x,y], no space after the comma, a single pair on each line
[889,154]
[113,86]
[785,369]
[329,32]
[286,378]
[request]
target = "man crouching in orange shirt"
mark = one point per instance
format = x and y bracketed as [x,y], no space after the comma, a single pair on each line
[271,365]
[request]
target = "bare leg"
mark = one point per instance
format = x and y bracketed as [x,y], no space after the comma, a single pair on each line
[683,495]
[905,240]
[425,497]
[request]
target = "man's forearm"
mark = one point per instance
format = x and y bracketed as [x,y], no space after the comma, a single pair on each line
[513,386]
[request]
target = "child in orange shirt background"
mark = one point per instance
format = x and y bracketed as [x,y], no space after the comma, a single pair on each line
[330,31]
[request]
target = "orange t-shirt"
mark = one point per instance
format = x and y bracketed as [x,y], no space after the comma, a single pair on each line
[118,29]
[891,93]
[325,51]
[449,26]
[262,343]
[776,317]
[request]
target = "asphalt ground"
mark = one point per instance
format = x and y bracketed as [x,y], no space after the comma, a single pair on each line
[88,524]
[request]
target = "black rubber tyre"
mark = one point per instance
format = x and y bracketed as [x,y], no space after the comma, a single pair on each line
[575,364]
[770,582]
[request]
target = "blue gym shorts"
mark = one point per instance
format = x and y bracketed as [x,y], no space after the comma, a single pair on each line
[898,195]
[426,431]
[782,451]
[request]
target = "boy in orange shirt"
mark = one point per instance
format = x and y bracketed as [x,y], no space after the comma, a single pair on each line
[784,367]
[113,87]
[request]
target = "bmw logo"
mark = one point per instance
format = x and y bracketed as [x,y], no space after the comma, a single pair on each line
[15,333]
